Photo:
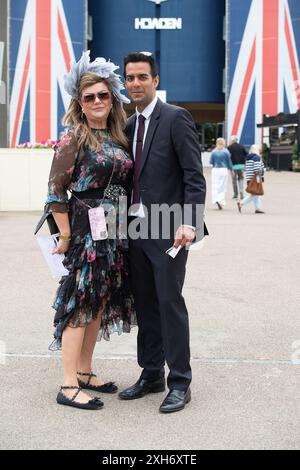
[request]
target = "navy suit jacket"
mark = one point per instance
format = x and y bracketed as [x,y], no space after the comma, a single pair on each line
[171,169]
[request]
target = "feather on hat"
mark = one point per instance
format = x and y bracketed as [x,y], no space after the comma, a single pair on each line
[100,66]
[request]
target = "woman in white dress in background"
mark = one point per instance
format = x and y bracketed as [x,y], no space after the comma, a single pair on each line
[221,161]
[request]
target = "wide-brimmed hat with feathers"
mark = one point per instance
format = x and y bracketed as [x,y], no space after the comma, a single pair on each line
[100,66]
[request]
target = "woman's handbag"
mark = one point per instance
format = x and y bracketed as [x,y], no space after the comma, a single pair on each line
[255,186]
[47,215]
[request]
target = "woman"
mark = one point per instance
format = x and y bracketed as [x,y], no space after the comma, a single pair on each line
[90,159]
[254,166]
[221,162]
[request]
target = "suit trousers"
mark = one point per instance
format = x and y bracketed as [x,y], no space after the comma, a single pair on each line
[163,334]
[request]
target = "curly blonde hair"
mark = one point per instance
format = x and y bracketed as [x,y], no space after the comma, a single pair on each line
[74,118]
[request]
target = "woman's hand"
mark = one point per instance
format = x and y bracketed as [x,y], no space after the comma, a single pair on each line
[61,247]
[62,221]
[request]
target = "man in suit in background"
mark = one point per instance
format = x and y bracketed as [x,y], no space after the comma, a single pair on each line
[168,170]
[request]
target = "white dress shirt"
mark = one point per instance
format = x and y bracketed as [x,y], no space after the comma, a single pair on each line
[147,115]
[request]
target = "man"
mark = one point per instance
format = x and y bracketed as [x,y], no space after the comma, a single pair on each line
[238,155]
[168,170]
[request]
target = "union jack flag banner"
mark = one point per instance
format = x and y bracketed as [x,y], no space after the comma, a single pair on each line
[263,41]
[45,36]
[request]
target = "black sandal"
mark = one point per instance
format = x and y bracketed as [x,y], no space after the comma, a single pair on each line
[108,387]
[92,404]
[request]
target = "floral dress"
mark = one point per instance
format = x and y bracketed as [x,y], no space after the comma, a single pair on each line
[98,270]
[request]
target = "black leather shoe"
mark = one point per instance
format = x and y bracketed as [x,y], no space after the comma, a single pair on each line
[141,388]
[175,401]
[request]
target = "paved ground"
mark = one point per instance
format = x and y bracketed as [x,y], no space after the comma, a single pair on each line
[243,294]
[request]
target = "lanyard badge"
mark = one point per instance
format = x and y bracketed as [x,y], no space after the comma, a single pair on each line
[98,223]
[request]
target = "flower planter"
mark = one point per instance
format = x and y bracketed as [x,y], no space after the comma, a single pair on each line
[23,178]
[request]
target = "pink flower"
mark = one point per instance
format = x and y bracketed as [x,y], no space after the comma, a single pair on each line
[38,145]
[92,257]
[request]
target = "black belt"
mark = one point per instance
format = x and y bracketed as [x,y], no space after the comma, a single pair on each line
[93,193]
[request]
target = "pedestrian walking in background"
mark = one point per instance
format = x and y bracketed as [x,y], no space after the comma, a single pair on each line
[221,162]
[254,166]
[238,155]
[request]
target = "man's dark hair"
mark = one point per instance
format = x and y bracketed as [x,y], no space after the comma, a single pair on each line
[140,57]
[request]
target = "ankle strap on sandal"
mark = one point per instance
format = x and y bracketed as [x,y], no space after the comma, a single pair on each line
[87,374]
[90,374]
[63,387]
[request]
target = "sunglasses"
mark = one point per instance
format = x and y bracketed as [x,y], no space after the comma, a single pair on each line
[102,96]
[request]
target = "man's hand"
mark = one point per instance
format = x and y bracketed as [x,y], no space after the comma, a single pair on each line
[184,236]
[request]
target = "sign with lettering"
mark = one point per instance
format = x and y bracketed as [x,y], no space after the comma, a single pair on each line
[158,23]
[158,2]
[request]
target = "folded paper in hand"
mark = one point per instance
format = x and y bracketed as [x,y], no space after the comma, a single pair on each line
[173,251]
[54,262]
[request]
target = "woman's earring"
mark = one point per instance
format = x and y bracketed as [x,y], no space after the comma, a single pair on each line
[82,114]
